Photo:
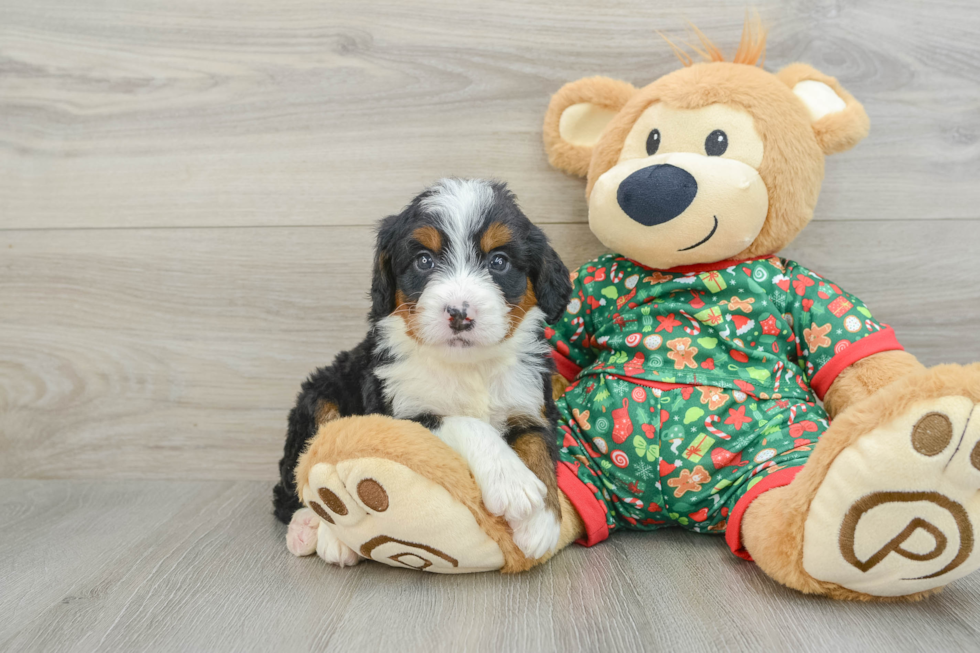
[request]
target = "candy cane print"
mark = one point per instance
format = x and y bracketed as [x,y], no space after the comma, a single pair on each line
[712,430]
[615,278]
[694,329]
[580,323]
[792,412]
[778,372]
[872,326]
[633,501]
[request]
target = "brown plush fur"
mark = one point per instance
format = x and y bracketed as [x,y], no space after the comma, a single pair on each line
[558,385]
[751,48]
[794,146]
[835,132]
[866,377]
[415,447]
[772,530]
[792,165]
[608,93]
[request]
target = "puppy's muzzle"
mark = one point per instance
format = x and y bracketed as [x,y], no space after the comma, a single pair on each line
[656,194]
[458,320]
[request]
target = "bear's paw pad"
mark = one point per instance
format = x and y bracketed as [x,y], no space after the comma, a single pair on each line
[381,510]
[899,510]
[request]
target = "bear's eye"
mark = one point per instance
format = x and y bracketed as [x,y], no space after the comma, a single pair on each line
[653,142]
[716,143]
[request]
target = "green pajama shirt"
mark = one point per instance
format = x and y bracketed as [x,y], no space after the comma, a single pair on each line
[694,389]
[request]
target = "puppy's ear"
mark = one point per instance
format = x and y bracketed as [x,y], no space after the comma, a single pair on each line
[552,286]
[576,116]
[839,121]
[383,283]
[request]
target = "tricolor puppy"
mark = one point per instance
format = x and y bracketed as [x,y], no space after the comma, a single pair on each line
[463,284]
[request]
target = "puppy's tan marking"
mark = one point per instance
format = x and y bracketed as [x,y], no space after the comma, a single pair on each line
[428,236]
[517,311]
[405,309]
[497,235]
[326,412]
[532,450]
[526,422]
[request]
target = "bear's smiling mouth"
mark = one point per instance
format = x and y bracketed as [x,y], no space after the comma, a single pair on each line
[706,238]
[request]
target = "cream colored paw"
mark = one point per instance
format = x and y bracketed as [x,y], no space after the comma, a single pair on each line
[301,534]
[384,511]
[331,549]
[537,535]
[899,510]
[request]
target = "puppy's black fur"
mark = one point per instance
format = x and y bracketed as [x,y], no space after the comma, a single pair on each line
[350,386]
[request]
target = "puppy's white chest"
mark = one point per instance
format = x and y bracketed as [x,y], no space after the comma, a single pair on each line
[490,392]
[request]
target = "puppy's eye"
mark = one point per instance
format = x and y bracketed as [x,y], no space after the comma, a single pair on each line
[424,261]
[653,142]
[716,143]
[499,263]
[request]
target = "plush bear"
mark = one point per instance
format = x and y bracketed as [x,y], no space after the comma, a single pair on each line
[694,357]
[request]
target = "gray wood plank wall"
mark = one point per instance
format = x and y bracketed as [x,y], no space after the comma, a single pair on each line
[187,191]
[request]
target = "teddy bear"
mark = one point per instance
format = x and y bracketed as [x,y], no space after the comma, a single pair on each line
[705,382]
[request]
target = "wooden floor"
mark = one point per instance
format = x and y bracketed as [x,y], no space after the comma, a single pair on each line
[187,192]
[200,566]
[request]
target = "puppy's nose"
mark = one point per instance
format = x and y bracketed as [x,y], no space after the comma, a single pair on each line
[458,320]
[657,194]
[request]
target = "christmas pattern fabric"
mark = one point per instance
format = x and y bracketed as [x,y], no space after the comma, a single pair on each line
[768,326]
[679,457]
[693,385]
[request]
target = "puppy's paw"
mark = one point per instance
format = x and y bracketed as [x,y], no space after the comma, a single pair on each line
[511,490]
[332,550]
[537,535]
[301,536]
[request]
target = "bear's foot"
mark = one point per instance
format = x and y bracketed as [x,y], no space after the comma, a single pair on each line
[888,505]
[898,512]
[381,510]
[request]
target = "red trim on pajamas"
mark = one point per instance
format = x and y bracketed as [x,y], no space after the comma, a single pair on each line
[586,505]
[565,366]
[733,534]
[878,342]
[710,267]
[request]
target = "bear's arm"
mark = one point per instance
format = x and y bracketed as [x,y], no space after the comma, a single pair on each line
[865,377]
[570,336]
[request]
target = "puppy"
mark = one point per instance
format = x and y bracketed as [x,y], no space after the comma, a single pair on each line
[463,284]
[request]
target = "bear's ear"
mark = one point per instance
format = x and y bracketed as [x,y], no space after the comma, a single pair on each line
[576,116]
[839,121]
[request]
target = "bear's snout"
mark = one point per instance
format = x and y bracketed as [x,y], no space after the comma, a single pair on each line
[656,194]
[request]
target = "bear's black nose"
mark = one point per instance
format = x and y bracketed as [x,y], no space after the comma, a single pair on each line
[656,194]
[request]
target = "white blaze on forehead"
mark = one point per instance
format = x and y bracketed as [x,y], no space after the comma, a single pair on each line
[459,205]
